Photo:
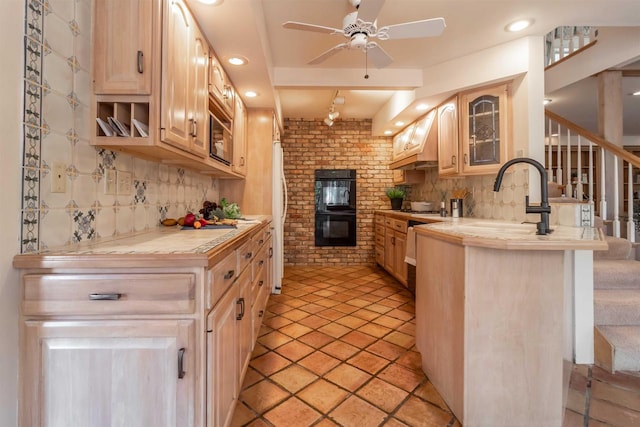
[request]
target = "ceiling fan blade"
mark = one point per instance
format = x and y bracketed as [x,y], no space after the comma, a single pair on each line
[377,55]
[368,10]
[292,25]
[408,30]
[327,54]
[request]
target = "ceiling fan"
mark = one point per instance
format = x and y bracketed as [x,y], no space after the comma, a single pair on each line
[360,27]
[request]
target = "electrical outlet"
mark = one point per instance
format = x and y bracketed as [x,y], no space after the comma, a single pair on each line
[125,182]
[110,182]
[59,178]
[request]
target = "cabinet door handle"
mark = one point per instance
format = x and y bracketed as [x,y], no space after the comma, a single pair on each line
[261,313]
[229,274]
[453,160]
[140,62]
[270,252]
[194,127]
[260,242]
[181,363]
[241,161]
[260,283]
[241,315]
[105,297]
[466,159]
[393,240]
[248,255]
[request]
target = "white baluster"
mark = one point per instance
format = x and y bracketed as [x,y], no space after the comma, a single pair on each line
[559,159]
[579,189]
[549,153]
[616,198]
[569,187]
[590,171]
[631,229]
[603,191]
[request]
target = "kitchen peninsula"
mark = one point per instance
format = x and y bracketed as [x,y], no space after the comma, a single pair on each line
[494,317]
[152,329]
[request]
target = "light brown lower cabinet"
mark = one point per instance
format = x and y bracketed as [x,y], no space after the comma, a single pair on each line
[395,246]
[136,341]
[109,373]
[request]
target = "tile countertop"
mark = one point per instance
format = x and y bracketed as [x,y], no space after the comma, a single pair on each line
[513,235]
[159,246]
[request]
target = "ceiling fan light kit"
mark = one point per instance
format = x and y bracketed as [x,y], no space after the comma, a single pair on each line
[360,27]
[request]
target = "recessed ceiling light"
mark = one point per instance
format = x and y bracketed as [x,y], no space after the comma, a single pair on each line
[399,123]
[422,107]
[519,25]
[250,94]
[237,60]
[388,132]
[546,101]
[211,2]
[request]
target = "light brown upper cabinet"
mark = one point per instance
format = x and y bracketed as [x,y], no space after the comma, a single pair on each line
[239,163]
[448,156]
[220,86]
[161,96]
[123,54]
[485,129]
[183,103]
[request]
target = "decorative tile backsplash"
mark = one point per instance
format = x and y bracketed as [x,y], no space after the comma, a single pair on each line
[57,126]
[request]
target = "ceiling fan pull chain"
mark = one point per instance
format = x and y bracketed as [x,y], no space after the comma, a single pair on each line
[366,64]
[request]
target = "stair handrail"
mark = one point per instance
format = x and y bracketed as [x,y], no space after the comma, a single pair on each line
[596,139]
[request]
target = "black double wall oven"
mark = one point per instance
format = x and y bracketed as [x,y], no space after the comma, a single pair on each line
[335,205]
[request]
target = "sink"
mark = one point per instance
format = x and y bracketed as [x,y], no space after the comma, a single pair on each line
[492,228]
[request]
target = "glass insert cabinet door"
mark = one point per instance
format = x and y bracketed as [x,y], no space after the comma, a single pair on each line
[485,129]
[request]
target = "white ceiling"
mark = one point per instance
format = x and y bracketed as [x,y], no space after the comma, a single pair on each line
[278,57]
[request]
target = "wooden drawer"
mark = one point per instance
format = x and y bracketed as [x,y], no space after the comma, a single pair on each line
[388,221]
[245,254]
[379,255]
[379,239]
[379,229]
[379,219]
[107,294]
[261,259]
[400,225]
[259,284]
[262,236]
[223,275]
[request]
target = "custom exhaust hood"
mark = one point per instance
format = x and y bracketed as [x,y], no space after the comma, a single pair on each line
[416,146]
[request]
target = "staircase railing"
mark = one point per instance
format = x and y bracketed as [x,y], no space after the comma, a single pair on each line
[563,42]
[571,163]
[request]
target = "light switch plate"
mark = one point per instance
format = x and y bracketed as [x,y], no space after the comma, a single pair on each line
[59,178]
[110,182]
[125,182]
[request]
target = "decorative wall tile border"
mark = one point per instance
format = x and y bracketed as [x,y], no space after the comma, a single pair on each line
[33,49]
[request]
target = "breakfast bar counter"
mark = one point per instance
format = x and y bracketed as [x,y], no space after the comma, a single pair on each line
[494,325]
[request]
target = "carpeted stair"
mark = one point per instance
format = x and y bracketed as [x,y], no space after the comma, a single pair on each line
[616,280]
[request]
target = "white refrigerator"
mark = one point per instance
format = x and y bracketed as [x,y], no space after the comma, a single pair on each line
[279,214]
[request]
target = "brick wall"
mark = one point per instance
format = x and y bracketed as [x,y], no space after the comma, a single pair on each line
[309,145]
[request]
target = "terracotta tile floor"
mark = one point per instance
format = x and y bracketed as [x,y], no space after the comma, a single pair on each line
[337,348]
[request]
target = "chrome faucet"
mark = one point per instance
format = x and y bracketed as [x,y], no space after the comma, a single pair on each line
[544,210]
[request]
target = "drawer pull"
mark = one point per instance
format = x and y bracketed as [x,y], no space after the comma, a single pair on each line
[261,263]
[261,313]
[248,255]
[105,297]
[260,283]
[229,274]
[270,252]
[181,363]
[261,241]
[140,63]
[241,315]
